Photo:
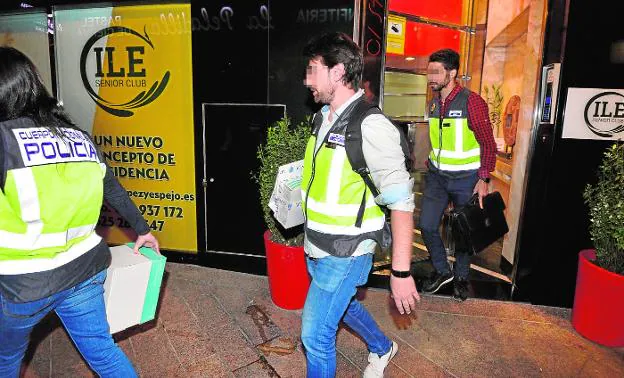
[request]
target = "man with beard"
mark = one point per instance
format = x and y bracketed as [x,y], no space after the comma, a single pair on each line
[462,157]
[344,221]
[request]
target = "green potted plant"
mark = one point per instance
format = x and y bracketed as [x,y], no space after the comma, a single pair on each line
[286,267]
[598,301]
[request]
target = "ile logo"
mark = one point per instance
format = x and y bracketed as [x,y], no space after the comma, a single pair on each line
[604,114]
[119,69]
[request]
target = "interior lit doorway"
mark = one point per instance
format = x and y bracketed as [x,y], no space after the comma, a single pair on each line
[495,43]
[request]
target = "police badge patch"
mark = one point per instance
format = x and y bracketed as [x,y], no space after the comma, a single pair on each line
[336,138]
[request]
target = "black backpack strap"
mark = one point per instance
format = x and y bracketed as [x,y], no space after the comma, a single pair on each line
[353,149]
[353,142]
[2,169]
[317,121]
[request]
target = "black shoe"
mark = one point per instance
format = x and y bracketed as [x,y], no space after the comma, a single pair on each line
[460,289]
[437,281]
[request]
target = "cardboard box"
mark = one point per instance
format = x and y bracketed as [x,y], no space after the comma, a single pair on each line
[286,197]
[132,286]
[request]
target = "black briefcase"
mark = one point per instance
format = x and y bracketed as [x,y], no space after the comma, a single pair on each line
[474,228]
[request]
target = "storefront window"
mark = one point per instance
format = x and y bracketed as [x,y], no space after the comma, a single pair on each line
[428,27]
[405,75]
[415,30]
[495,42]
[441,10]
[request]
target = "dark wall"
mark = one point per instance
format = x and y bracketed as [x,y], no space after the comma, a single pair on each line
[555,223]
[293,24]
[255,56]
[230,52]
[230,63]
[249,52]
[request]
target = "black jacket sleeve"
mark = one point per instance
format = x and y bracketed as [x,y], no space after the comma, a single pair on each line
[118,198]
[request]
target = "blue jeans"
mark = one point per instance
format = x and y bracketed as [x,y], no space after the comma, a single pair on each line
[330,297]
[81,310]
[440,188]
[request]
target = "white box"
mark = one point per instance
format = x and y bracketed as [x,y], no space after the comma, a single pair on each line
[125,288]
[286,197]
[289,212]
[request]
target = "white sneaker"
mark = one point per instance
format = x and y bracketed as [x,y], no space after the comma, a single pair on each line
[376,364]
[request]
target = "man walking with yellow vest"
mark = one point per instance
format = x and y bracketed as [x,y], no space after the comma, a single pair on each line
[463,155]
[344,221]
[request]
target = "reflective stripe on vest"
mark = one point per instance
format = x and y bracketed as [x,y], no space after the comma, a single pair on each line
[13,267]
[336,193]
[460,149]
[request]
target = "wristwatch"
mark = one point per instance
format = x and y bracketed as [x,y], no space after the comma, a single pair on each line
[400,273]
[485,179]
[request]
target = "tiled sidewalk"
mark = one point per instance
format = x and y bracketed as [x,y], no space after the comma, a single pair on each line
[214,323]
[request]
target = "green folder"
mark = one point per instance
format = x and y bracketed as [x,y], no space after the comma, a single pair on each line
[155,280]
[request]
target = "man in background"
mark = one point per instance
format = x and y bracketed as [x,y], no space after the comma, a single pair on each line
[462,157]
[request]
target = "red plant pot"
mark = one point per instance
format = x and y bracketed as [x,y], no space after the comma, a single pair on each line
[288,274]
[598,302]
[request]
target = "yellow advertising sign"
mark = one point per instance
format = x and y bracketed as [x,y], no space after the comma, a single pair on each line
[136,74]
[396,35]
